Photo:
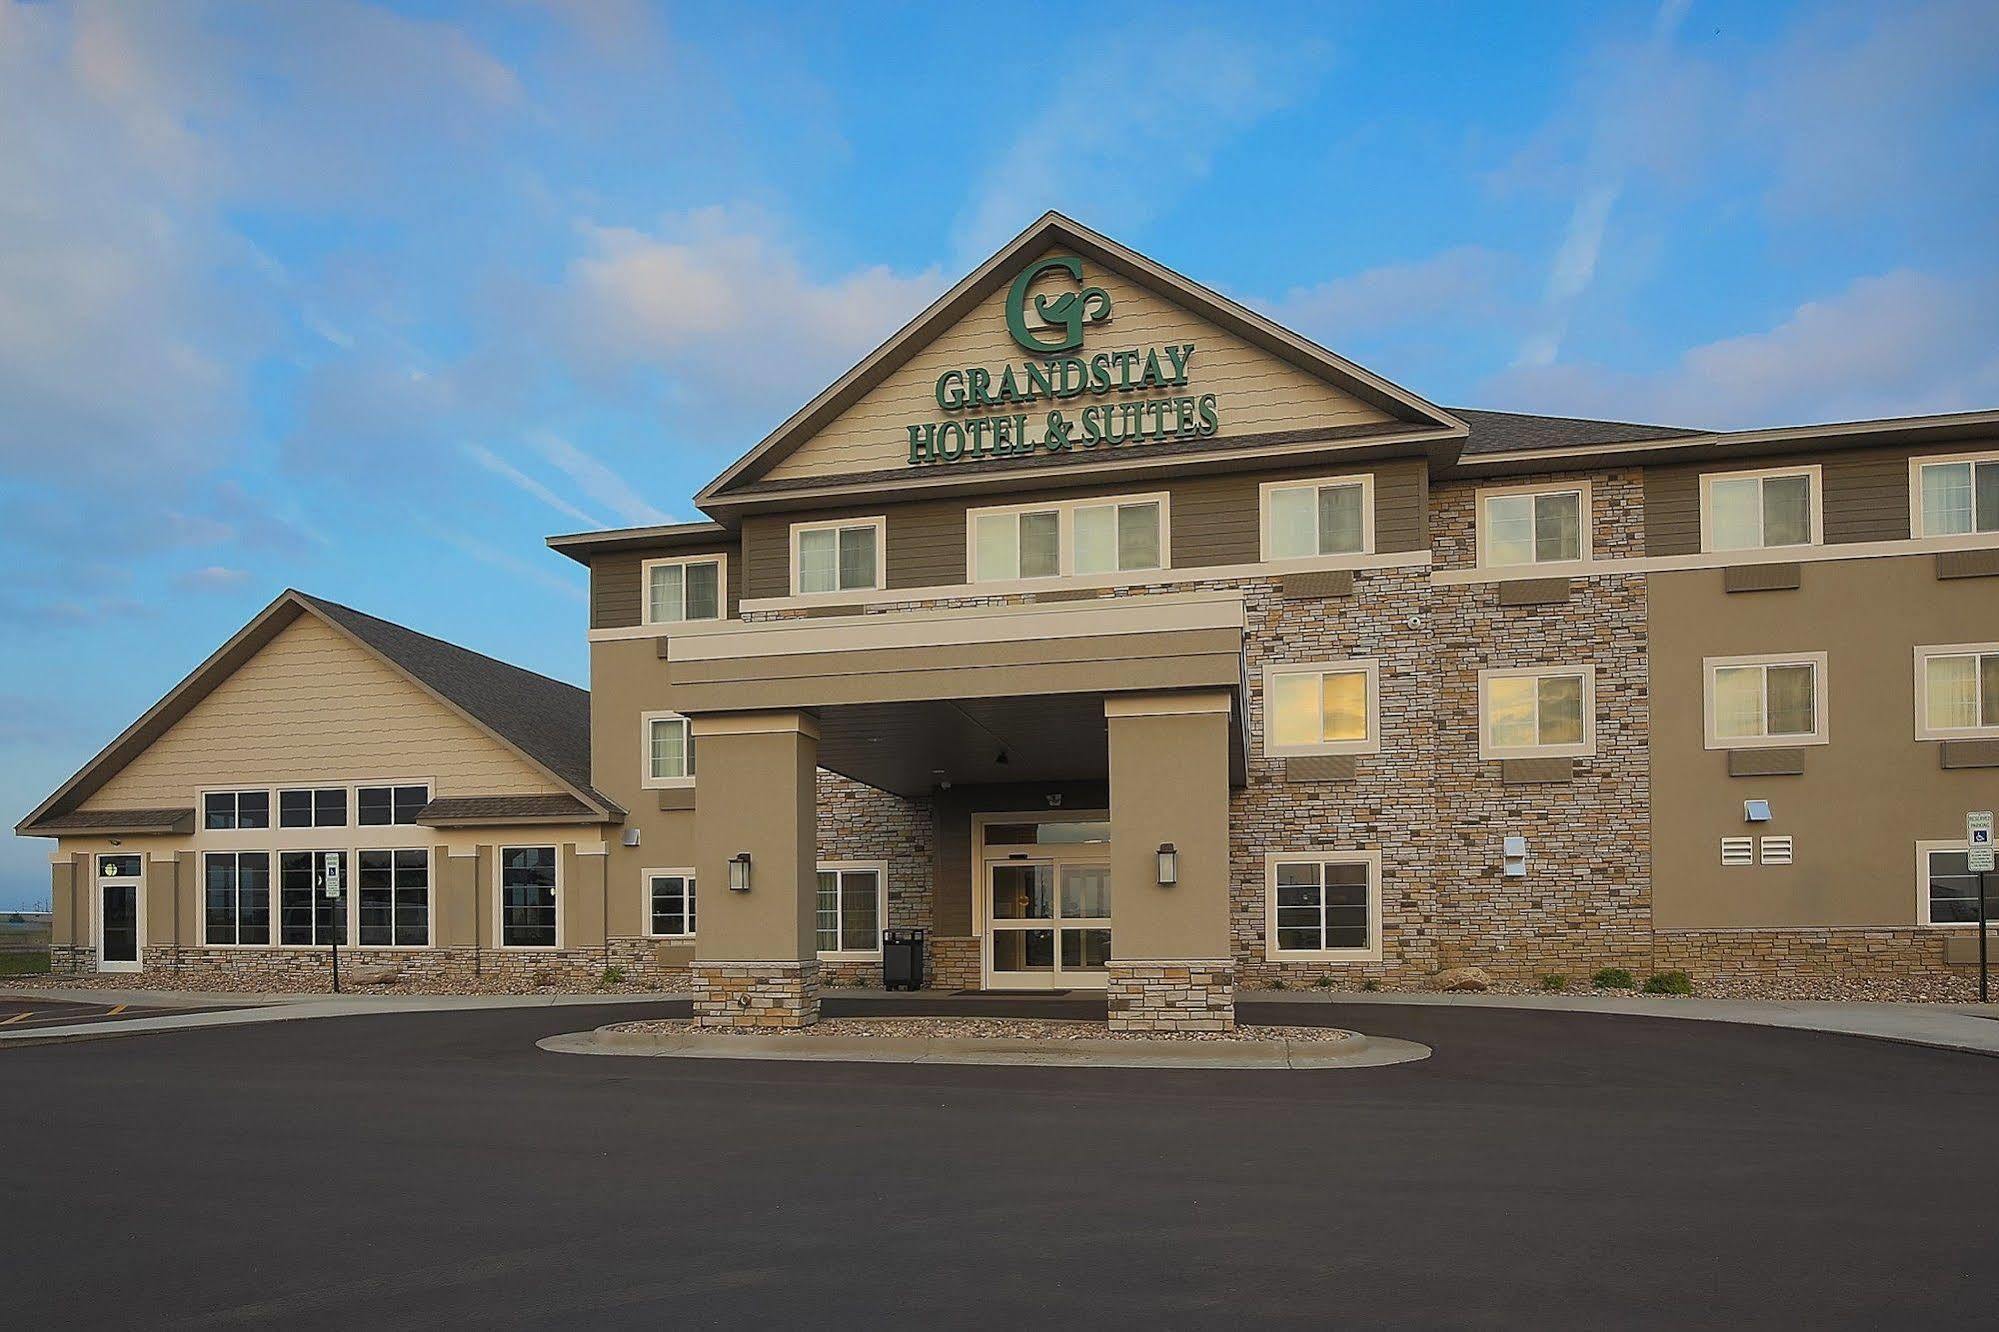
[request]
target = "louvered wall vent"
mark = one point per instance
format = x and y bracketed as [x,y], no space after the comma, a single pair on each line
[1738,850]
[1776,850]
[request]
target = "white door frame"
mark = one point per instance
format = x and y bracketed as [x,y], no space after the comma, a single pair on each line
[1057,856]
[98,884]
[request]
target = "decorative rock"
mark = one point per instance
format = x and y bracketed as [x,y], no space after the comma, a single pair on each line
[1462,978]
[366,975]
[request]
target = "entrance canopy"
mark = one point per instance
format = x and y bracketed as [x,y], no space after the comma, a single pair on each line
[974,694]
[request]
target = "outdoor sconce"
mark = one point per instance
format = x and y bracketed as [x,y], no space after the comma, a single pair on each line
[1169,865]
[739,872]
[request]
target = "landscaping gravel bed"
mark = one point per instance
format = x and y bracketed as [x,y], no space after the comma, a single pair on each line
[1912,990]
[167,980]
[987,1028]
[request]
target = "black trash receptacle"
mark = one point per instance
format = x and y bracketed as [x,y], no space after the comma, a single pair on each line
[902,959]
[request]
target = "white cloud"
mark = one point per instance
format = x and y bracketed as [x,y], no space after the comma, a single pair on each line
[1085,131]
[1451,286]
[1900,343]
[514,476]
[489,554]
[212,578]
[727,312]
[596,480]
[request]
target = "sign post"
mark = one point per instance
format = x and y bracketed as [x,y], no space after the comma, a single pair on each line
[1978,860]
[330,877]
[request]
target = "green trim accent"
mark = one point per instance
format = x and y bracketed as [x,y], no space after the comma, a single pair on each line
[1069,311]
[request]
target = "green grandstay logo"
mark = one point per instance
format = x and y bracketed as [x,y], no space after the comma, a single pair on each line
[1057,376]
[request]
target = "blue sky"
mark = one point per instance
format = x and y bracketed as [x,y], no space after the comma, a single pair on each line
[368,299]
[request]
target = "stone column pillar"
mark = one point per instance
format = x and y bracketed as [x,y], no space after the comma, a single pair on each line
[1172,967]
[756,961]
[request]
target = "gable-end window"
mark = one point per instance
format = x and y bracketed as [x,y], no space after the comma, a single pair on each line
[1765,701]
[1324,707]
[1327,516]
[1068,538]
[1946,885]
[1323,906]
[394,898]
[384,806]
[527,897]
[853,902]
[670,903]
[1760,510]
[229,810]
[1537,712]
[1543,524]
[1955,496]
[322,807]
[236,897]
[306,915]
[685,588]
[669,750]
[844,556]
[1957,691]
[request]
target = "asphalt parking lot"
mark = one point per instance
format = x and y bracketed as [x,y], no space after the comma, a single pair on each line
[1542,1168]
[18,1014]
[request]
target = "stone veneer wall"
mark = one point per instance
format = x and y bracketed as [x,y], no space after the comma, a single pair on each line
[783,995]
[857,822]
[1171,996]
[1797,954]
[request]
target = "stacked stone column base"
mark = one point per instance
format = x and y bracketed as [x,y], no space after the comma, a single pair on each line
[781,995]
[1172,995]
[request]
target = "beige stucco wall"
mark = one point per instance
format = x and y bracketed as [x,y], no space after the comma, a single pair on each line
[758,794]
[627,680]
[1170,783]
[1865,798]
[314,707]
[1256,392]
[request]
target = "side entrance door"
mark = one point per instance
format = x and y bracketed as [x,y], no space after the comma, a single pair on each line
[118,913]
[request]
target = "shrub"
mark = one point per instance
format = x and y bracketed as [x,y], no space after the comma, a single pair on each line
[1370,985]
[1554,980]
[1276,983]
[612,976]
[1668,982]
[1324,982]
[1613,978]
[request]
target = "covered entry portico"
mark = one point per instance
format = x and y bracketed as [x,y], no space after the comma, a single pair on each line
[1059,746]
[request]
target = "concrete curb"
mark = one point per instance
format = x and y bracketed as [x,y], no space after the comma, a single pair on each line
[1357,1051]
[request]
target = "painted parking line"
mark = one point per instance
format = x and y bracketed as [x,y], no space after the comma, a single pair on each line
[10,1021]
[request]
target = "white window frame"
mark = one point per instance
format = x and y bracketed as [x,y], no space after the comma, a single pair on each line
[351,890]
[1065,539]
[1923,850]
[880,871]
[270,894]
[271,808]
[1372,953]
[1368,666]
[1586,527]
[1364,480]
[649,782]
[499,936]
[878,522]
[278,825]
[1924,652]
[721,562]
[1812,471]
[98,879]
[645,899]
[1917,518]
[1586,748]
[1821,720]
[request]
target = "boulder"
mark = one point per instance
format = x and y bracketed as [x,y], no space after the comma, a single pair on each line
[372,975]
[1462,978]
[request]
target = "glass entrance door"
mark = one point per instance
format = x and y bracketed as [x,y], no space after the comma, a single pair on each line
[118,913]
[1049,923]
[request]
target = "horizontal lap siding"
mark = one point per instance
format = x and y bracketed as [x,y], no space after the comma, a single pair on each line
[616,589]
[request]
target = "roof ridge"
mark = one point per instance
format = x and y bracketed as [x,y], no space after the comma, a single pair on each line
[327,604]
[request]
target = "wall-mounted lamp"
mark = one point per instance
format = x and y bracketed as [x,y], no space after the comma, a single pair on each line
[739,872]
[1169,865]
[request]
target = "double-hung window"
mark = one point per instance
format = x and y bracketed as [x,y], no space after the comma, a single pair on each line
[1947,887]
[230,810]
[1544,524]
[1326,707]
[306,915]
[1955,496]
[684,588]
[527,897]
[1957,691]
[853,898]
[669,750]
[394,893]
[1760,510]
[670,903]
[843,556]
[1323,906]
[324,807]
[236,897]
[1328,516]
[1537,712]
[1068,538]
[384,806]
[1762,701]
